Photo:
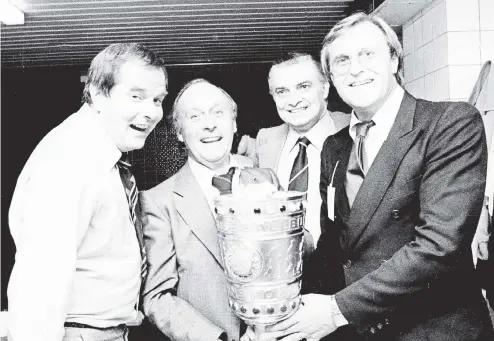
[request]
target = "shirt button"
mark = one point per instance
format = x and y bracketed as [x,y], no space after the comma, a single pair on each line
[347,264]
[396,214]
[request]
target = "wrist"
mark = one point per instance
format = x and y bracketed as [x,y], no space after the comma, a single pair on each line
[338,318]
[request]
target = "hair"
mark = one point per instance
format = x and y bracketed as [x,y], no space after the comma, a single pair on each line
[290,58]
[175,111]
[105,66]
[353,20]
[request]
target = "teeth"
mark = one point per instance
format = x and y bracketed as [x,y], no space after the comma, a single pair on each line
[297,110]
[361,82]
[211,139]
[141,126]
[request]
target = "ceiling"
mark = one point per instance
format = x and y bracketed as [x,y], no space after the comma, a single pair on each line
[71,32]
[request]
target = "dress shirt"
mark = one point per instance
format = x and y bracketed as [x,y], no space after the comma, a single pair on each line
[384,119]
[204,177]
[316,135]
[78,256]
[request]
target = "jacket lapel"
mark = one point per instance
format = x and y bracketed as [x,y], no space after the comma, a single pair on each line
[383,169]
[270,149]
[342,146]
[194,210]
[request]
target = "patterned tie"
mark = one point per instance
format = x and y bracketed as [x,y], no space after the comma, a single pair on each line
[299,181]
[356,163]
[130,186]
[299,177]
[223,182]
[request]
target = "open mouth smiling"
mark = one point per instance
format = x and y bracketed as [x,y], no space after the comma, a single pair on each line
[139,127]
[211,139]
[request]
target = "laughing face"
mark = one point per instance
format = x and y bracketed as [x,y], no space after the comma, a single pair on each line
[206,124]
[299,92]
[363,68]
[133,107]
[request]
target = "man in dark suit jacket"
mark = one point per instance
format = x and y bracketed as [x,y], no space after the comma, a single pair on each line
[402,191]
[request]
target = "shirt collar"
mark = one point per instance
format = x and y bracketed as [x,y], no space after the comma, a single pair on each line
[384,117]
[100,141]
[316,135]
[203,172]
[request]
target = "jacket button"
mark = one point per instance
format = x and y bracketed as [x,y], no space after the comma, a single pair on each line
[372,330]
[396,214]
[347,264]
[386,321]
[379,326]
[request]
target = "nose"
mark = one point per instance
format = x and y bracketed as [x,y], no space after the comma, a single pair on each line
[209,122]
[293,99]
[355,66]
[152,111]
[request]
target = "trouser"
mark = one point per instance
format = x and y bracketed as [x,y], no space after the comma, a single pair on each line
[119,333]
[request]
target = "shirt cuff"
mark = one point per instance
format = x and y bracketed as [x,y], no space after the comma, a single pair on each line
[338,318]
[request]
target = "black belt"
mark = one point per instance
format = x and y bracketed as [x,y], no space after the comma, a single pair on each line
[82,325]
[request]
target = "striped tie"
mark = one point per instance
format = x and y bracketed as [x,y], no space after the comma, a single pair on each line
[299,177]
[130,186]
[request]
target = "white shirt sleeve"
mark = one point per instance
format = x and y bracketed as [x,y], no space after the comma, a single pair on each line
[49,213]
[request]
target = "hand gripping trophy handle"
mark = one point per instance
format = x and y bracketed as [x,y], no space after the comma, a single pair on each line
[261,242]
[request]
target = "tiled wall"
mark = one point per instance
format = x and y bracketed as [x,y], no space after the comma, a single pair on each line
[445,46]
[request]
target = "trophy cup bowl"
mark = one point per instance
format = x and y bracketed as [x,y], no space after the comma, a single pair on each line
[261,242]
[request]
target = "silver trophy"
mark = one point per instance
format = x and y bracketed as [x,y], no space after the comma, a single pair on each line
[261,241]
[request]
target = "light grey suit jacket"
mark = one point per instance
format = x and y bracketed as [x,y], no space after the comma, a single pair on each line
[185,294]
[270,141]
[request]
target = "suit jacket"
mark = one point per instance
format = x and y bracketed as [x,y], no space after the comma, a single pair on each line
[270,141]
[405,243]
[185,294]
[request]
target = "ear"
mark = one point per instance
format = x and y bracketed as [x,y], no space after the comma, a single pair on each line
[331,77]
[234,127]
[325,88]
[394,63]
[96,97]
[180,137]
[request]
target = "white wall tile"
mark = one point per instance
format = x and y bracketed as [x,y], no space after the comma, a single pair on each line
[486,46]
[429,88]
[441,84]
[462,15]
[428,58]
[416,88]
[486,8]
[427,26]
[462,79]
[440,51]
[464,48]
[419,62]
[440,19]
[408,39]
[417,33]
[409,68]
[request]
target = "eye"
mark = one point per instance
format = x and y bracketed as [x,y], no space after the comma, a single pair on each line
[280,91]
[305,86]
[158,101]
[341,60]
[218,112]
[136,96]
[367,54]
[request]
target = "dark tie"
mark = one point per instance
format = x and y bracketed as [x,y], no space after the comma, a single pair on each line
[299,177]
[223,182]
[356,163]
[129,182]
[299,181]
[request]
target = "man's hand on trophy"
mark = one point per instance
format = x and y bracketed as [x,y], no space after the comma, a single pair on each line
[247,147]
[312,321]
[251,175]
[254,334]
